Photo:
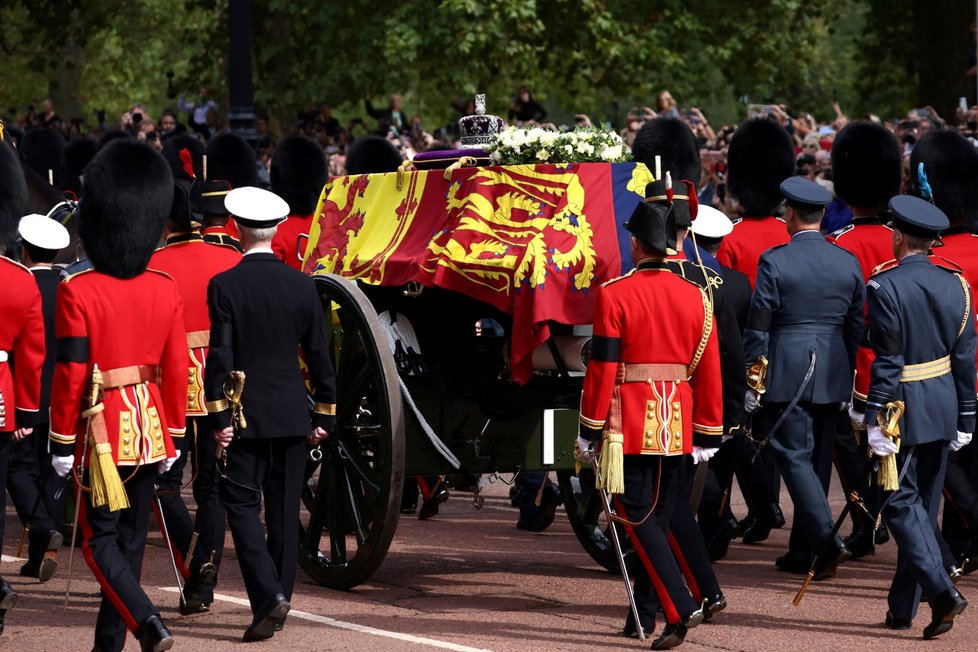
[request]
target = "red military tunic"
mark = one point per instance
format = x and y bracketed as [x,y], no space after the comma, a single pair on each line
[226,235]
[289,243]
[751,237]
[21,346]
[961,248]
[117,324]
[191,262]
[652,316]
[872,244]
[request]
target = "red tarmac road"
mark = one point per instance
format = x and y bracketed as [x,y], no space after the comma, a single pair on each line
[469,580]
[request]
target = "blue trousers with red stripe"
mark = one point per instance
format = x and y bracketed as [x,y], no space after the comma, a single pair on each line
[653,482]
[113,547]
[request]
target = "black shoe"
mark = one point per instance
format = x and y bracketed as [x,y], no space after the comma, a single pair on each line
[648,625]
[263,626]
[429,508]
[860,543]
[943,610]
[8,598]
[672,636]
[759,528]
[792,562]
[29,569]
[720,543]
[777,517]
[896,623]
[827,569]
[198,591]
[538,519]
[882,535]
[713,605]
[153,635]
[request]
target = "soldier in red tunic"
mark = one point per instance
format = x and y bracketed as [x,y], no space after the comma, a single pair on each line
[866,168]
[298,174]
[654,380]
[761,156]
[21,336]
[192,262]
[126,323]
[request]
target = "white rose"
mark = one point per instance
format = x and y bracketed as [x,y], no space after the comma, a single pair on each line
[543,154]
[569,149]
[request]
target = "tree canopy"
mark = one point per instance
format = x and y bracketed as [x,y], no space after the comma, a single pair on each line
[578,55]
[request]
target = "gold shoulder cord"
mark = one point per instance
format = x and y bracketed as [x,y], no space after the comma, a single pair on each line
[967,303]
[705,337]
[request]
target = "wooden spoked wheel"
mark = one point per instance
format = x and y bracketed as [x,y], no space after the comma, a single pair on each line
[352,493]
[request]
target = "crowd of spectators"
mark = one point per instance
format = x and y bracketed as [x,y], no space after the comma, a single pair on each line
[199,116]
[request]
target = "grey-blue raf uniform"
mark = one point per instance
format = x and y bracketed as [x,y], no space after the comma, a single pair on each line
[806,311]
[921,314]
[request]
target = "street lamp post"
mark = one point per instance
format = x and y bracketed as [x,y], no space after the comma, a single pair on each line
[241,90]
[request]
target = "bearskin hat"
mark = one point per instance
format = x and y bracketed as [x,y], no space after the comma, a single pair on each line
[40,149]
[298,173]
[760,157]
[372,154]
[13,193]
[127,190]
[951,172]
[673,142]
[229,157]
[110,136]
[866,164]
[171,152]
[76,155]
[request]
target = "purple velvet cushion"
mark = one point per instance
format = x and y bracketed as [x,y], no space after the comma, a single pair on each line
[441,159]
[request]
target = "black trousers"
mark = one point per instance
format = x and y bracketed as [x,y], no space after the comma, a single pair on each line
[6,440]
[271,469]
[853,465]
[911,515]
[23,484]
[960,523]
[654,481]
[199,449]
[113,545]
[803,447]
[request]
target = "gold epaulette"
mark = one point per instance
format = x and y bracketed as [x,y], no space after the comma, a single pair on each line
[885,267]
[618,278]
[945,264]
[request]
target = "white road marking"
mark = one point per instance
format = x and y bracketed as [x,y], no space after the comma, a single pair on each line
[332,622]
[7,558]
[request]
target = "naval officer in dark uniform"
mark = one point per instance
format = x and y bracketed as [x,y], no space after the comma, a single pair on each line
[37,495]
[806,317]
[261,313]
[922,328]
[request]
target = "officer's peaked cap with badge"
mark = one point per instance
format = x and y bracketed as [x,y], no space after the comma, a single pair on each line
[42,232]
[803,194]
[917,217]
[256,208]
[711,223]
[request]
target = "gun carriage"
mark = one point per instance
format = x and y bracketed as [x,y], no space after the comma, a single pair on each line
[458,306]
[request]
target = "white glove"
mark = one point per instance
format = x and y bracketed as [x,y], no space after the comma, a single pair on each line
[587,449]
[964,438]
[703,454]
[881,445]
[165,465]
[62,465]
[858,418]
[752,401]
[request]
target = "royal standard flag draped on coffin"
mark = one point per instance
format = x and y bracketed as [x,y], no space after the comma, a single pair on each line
[533,240]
